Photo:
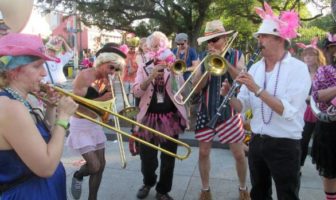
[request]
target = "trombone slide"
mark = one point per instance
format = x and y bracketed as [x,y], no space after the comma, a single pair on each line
[103,107]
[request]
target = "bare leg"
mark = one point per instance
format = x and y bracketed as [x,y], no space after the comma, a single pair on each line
[329,185]
[237,150]
[204,163]
[94,167]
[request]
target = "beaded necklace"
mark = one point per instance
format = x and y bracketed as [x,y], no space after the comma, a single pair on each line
[274,94]
[18,97]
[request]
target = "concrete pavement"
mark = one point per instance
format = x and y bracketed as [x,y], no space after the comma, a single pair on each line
[118,183]
[121,183]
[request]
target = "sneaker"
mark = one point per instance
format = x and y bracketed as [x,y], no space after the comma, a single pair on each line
[205,195]
[166,196]
[76,188]
[244,194]
[143,191]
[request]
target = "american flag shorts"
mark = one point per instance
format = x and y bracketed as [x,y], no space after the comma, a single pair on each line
[229,131]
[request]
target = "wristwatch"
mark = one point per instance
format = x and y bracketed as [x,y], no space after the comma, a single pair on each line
[63,123]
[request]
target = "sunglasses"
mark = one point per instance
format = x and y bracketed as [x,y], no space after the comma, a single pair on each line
[213,40]
[179,44]
[113,68]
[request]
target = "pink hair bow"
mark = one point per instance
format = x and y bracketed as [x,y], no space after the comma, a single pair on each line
[313,44]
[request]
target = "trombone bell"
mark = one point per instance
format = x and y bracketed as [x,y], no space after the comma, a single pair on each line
[216,65]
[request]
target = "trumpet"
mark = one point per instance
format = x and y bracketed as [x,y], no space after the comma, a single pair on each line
[214,64]
[212,123]
[113,107]
[103,109]
[179,67]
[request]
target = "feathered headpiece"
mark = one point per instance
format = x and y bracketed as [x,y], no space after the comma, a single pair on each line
[284,26]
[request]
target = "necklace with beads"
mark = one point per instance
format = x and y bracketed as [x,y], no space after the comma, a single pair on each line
[18,97]
[274,94]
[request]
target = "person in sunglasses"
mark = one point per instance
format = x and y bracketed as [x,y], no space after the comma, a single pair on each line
[189,55]
[86,137]
[229,128]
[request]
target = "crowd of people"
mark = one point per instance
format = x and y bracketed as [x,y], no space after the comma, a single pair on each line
[287,111]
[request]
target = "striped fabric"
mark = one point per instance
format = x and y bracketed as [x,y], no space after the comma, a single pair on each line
[230,131]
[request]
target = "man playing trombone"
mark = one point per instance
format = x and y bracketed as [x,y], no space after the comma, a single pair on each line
[86,137]
[229,128]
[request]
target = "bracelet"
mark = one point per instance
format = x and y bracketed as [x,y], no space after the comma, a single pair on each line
[62,123]
[257,94]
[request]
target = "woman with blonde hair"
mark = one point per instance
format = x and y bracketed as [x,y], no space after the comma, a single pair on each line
[86,137]
[314,58]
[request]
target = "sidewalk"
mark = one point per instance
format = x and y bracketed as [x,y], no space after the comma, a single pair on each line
[118,183]
[123,184]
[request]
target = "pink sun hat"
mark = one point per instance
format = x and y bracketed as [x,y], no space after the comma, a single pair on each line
[19,44]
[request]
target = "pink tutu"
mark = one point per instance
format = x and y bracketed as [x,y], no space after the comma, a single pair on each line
[169,123]
[85,136]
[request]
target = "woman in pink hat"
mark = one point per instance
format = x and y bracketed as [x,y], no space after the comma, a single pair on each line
[314,58]
[31,143]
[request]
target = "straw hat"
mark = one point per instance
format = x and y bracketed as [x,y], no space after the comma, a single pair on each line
[213,29]
[16,13]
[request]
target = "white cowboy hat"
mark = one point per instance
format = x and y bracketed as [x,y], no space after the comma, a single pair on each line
[15,13]
[213,29]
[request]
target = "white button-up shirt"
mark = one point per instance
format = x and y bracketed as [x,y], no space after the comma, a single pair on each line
[292,90]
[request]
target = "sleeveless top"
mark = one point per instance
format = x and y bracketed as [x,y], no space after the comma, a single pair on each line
[19,182]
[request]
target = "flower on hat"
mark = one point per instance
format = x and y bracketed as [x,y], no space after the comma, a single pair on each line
[313,44]
[288,22]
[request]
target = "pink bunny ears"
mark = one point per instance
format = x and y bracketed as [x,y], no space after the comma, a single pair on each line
[288,21]
[313,44]
[331,38]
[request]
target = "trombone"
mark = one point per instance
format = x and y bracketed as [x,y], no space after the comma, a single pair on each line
[102,108]
[113,108]
[128,111]
[214,64]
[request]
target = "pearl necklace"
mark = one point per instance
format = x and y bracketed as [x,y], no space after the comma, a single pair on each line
[18,97]
[274,94]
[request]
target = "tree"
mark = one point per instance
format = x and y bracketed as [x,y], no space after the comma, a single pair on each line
[173,16]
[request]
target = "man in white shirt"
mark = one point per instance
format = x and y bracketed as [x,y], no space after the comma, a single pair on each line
[275,88]
[55,73]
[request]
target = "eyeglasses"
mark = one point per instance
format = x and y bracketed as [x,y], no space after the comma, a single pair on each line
[113,68]
[179,44]
[213,40]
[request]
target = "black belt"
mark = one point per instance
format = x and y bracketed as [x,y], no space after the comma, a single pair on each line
[261,135]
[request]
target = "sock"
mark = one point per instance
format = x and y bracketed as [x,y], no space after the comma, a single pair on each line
[206,190]
[330,195]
